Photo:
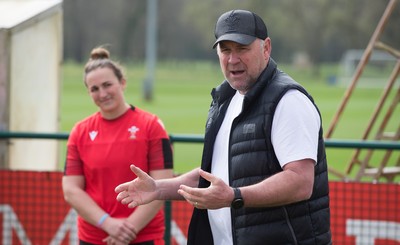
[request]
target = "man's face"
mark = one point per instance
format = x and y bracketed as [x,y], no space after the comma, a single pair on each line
[243,64]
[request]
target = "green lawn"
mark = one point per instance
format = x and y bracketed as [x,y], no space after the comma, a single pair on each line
[182,96]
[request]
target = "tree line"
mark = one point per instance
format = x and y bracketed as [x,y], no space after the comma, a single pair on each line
[320,29]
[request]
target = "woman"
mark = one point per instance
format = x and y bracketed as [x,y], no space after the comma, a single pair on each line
[100,150]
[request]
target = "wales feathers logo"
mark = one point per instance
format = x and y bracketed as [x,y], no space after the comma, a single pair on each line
[133,131]
[232,21]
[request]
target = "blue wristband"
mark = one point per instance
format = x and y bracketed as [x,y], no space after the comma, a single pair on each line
[102,219]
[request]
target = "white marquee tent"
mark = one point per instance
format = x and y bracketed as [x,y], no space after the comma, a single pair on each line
[30,77]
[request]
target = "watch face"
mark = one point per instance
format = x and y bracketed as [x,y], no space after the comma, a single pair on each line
[237,203]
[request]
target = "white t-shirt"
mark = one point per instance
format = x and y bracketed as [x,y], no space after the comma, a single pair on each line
[295,128]
[220,220]
[294,137]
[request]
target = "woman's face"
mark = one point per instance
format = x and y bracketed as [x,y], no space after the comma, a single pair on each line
[106,90]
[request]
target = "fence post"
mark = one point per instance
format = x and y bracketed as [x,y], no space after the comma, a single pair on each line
[168,220]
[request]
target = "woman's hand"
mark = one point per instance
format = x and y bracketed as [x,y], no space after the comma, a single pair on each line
[120,231]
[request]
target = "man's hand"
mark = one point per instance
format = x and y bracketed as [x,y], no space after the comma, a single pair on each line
[139,191]
[217,195]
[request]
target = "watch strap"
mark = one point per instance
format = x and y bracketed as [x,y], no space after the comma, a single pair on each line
[237,193]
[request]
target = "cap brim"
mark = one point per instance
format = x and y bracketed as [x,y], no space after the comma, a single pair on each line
[235,37]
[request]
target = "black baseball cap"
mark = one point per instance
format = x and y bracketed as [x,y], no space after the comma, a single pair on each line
[239,26]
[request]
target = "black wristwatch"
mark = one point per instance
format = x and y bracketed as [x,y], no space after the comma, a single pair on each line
[237,200]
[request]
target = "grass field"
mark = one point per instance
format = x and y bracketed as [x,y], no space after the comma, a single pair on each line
[182,96]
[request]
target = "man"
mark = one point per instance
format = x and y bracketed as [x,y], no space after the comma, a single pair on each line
[263,178]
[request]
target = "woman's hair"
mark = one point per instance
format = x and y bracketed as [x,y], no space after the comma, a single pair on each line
[100,58]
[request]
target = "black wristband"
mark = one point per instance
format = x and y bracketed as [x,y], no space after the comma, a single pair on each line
[237,200]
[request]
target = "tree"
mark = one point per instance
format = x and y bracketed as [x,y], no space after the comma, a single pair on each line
[323,29]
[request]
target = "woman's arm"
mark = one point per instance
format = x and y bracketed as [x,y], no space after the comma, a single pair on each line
[75,195]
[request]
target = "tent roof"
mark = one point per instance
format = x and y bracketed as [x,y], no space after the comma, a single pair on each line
[16,13]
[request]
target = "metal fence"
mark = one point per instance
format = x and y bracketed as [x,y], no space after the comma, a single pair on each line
[186,138]
[340,191]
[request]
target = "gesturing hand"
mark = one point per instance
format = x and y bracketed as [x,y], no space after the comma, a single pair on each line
[217,195]
[139,191]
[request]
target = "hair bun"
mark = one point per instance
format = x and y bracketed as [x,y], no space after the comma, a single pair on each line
[99,53]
